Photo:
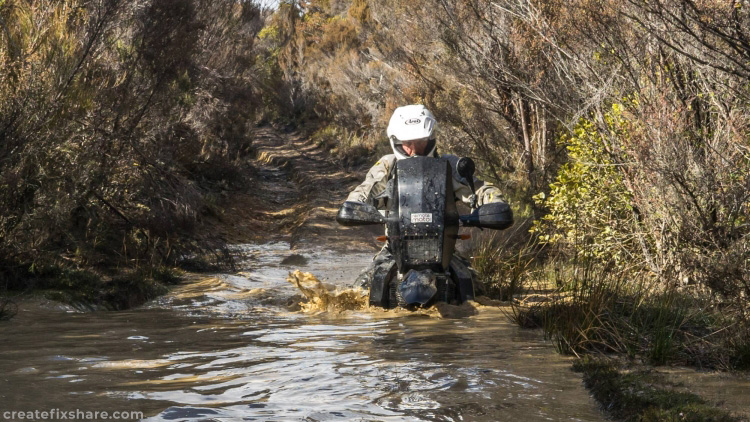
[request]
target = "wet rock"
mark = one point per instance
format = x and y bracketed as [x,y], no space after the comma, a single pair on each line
[294,260]
[463,310]
[485,301]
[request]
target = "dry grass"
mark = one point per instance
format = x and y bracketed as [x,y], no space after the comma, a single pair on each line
[585,307]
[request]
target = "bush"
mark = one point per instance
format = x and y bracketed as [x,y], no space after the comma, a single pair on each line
[590,211]
[119,123]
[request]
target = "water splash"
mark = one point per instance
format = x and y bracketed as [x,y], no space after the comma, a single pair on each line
[321,298]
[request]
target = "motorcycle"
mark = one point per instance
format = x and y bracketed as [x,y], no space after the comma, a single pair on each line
[422,223]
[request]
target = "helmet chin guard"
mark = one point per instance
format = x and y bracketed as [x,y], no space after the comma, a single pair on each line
[409,123]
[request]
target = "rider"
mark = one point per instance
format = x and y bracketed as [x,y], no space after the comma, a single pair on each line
[411,132]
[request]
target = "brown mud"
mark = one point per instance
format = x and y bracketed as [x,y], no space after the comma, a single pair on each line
[729,391]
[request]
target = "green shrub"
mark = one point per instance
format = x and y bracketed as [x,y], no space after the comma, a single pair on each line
[590,213]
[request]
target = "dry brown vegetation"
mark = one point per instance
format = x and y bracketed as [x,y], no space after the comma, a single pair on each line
[120,122]
[621,128]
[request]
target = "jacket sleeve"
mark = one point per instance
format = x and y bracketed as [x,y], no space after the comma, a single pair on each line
[374,183]
[486,192]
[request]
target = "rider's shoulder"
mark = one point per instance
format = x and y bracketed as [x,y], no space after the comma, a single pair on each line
[386,160]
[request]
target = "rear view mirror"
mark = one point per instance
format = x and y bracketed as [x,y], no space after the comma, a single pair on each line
[358,214]
[466,168]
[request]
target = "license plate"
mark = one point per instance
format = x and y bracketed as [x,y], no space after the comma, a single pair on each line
[421,218]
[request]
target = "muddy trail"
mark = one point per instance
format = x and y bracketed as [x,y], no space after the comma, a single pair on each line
[296,190]
[283,338]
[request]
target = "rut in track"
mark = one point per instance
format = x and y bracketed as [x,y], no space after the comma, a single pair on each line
[294,195]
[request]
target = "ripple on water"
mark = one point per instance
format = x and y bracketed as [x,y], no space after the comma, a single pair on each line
[226,347]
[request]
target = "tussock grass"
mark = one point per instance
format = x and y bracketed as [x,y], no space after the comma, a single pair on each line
[591,310]
[585,307]
[507,262]
[351,148]
[605,312]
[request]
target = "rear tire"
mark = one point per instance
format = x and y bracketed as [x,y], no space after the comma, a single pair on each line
[394,296]
[446,291]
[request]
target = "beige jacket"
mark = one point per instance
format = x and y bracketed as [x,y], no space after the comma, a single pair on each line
[378,176]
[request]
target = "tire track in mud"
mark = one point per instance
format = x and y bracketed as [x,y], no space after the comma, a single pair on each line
[296,191]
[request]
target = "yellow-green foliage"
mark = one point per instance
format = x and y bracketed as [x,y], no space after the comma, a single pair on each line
[35,39]
[589,206]
[360,11]
[270,32]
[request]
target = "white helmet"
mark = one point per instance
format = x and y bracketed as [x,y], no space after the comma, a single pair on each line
[409,123]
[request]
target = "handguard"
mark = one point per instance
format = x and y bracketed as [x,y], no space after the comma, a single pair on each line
[495,216]
[354,213]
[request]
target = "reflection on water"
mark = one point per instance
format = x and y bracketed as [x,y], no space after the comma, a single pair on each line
[228,348]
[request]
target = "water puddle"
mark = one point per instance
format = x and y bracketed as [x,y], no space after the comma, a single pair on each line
[728,391]
[240,346]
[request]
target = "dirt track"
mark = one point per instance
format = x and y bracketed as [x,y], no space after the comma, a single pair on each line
[296,191]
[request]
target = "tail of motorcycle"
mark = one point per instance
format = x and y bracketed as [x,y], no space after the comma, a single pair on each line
[455,286]
[420,288]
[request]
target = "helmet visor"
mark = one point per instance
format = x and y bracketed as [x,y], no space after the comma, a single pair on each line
[414,147]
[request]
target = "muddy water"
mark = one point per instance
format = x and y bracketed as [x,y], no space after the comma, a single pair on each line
[228,347]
